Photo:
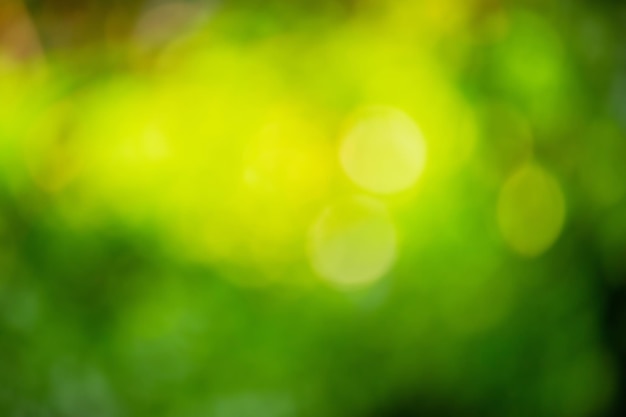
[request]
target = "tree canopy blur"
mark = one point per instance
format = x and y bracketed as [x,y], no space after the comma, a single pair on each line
[340,208]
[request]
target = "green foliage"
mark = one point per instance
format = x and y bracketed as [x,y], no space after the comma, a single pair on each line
[337,208]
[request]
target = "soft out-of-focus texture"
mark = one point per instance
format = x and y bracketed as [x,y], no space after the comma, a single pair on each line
[312,208]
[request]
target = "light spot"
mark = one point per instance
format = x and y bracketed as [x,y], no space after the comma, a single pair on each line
[154,144]
[531,57]
[353,242]
[384,151]
[166,22]
[531,211]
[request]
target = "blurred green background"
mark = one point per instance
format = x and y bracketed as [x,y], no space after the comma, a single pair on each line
[339,208]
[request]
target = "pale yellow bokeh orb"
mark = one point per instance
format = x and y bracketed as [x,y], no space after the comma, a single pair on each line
[353,242]
[383,151]
[531,211]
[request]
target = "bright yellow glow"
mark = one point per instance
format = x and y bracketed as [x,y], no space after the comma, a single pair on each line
[288,161]
[531,211]
[353,243]
[154,146]
[384,151]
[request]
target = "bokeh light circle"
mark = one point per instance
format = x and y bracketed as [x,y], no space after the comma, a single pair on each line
[353,242]
[531,211]
[383,151]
